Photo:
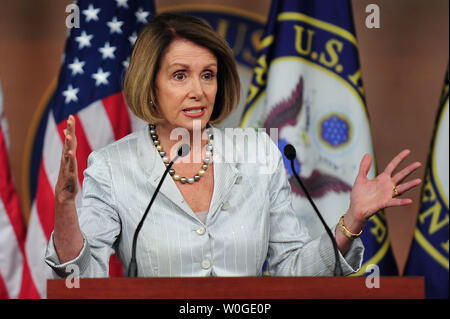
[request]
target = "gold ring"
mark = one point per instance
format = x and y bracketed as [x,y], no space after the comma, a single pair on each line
[395,190]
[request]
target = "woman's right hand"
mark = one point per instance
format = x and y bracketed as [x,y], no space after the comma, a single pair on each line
[67,185]
[67,236]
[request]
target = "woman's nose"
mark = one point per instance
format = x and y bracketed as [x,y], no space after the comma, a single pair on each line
[196,90]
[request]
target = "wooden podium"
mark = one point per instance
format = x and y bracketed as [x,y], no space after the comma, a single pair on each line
[239,288]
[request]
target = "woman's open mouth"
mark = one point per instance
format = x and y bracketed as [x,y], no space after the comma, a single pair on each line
[194,111]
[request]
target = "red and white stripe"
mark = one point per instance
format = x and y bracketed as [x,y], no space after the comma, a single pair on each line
[14,271]
[97,125]
[12,233]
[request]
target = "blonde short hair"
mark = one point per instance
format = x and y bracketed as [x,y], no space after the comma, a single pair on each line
[149,49]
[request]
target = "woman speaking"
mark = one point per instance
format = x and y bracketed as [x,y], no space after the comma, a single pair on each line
[212,216]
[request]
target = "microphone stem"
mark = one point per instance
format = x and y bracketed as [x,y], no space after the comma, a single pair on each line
[337,265]
[132,269]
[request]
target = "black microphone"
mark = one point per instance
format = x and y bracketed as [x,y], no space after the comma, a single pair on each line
[132,269]
[290,153]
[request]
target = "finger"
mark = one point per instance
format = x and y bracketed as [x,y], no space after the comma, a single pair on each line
[71,124]
[70,128]
[66,147]
[395,202]
[396,161]
[400,176]
[72,163]
[364,166]
[69,142]
[69,162]
[402,188]
[71,138]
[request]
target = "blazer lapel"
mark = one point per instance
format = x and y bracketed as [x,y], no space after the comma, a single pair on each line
[225,173]
[150,161]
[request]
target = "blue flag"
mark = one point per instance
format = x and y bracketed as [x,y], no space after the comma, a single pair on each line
[307,85]
[428,256]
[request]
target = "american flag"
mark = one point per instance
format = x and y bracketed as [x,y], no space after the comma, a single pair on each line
[89,87]
[14,271]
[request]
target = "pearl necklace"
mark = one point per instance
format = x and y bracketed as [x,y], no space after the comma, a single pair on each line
[165,159]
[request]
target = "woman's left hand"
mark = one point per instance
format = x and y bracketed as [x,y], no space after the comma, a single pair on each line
[370,196]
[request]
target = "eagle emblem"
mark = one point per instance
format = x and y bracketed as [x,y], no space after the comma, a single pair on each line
[286,113]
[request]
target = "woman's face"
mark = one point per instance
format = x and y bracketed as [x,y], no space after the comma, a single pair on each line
[186,85]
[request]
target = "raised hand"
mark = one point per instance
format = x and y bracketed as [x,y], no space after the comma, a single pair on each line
[369,196]
[67,236]
[67,185]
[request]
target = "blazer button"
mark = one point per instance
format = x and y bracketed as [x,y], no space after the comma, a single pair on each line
[226,205]
[206,264]
[201,230]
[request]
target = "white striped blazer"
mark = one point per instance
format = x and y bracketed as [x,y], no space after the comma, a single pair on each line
[251,219]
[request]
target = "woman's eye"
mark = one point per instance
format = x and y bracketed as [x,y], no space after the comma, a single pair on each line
[208,76]
[179,76]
